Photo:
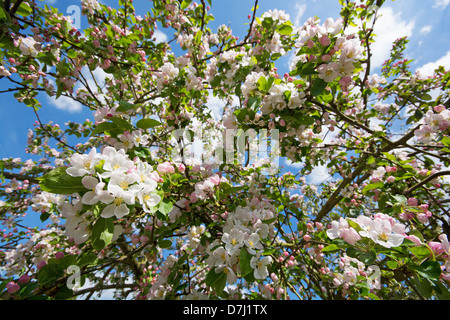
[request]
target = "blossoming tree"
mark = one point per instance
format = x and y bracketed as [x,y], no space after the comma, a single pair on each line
[127,206]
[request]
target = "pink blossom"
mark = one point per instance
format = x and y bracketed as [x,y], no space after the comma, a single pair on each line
[350,236]
[12,287]
[437,247]
[412,202]
[24,279]
[165,167]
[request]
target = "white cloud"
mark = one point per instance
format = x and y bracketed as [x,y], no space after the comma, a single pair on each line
[216,105]
[65,103]
[428,69]
[319,175]
[425,29]
[441,4]
[159,36]
[389,27]
[299,11]
[72,106]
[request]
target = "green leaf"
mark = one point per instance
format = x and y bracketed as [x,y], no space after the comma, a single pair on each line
[104,126]
[60,182]
[421,252]
[164,244]
[72,54]
[330,248]
[165,207]
[244,262]
[377,185]
[147,123]
[285,29]
[24,9]
[102,233]
[318,86]
[125,106]
[428,269]
[220,284]
[122,123]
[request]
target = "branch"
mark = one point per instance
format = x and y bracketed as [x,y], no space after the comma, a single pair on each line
[426,180]
[21,177]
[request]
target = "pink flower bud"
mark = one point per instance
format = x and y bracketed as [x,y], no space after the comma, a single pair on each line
[24,279]
[412,202]
[40,264]
[59,255]
[12,287]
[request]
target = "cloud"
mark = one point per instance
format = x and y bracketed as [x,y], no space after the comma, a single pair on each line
[216,105]
[441,4]
[319,175]
[428,69]
[425,29]
[389,27]
[67,104]
[299,11]
[159,36]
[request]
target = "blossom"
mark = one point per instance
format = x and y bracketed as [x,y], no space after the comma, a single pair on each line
[83,164]
[259,265]
[234,239]
[28,46]
[148,198]
[382,233]
[328,71]
[97,194]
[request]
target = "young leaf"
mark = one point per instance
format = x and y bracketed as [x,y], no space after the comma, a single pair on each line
[147,123]
[59,182]
[102,233]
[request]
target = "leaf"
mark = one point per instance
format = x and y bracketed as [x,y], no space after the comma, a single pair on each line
[60,182]
[428,269]
[165,207]
[24,9]
[421,252]
[122,123]
[285,29]
[72,54]
[147,123]
[377,185]
[220,284]
[244,262]
[318,86]
[102,233]
[163,244]
[102,127]
[330,248]
[125,106]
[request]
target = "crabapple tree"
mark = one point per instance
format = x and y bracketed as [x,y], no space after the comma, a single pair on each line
[155,197]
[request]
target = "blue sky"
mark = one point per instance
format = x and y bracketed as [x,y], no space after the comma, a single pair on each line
[424,22]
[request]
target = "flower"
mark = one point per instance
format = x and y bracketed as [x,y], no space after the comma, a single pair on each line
[97,194]
[382,233]
[233,240]
[148,198]
[328,71]
[83,164]
[260,265]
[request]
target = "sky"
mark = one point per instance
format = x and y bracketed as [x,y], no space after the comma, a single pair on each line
[424,22]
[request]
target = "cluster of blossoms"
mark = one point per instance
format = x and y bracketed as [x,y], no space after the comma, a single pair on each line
[36,250]
[332,65]
[380,228]
[113,183]
[433,124]
[353,271]
[244,228]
